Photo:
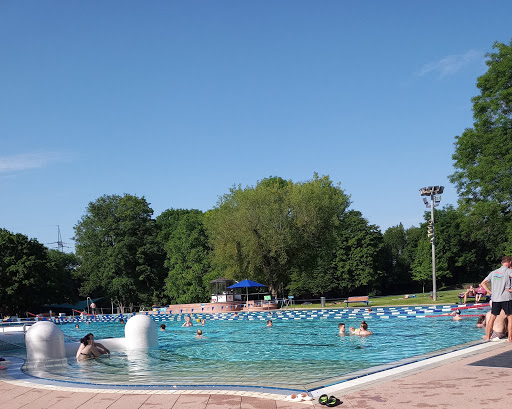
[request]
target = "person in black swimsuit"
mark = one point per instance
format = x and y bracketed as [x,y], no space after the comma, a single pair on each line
[89,349]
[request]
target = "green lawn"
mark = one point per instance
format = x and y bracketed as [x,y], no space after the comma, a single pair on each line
[443,297]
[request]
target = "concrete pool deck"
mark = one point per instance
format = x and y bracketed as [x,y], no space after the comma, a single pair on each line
[477,379]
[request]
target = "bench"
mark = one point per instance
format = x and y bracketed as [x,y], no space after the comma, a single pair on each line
[485,298]
[364,298]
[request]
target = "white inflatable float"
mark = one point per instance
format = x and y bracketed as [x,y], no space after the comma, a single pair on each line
[45,344]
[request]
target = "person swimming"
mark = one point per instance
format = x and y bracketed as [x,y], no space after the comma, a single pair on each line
[269,323]
[341,328]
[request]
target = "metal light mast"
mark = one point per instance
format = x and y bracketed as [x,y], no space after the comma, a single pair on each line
[435,198]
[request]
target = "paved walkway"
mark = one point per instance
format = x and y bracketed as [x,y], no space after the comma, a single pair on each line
[479,381]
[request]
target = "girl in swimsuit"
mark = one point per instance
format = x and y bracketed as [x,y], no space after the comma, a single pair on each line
[88,349]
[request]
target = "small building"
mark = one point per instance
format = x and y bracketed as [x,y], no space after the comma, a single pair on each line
[220,292]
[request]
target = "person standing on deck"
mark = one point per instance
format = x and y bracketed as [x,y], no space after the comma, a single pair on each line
[501,295]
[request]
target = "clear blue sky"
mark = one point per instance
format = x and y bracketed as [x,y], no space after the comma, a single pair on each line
[177,101]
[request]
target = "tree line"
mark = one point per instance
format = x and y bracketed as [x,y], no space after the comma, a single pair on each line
[299,238]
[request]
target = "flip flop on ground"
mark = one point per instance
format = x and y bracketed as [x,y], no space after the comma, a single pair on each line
[333,401]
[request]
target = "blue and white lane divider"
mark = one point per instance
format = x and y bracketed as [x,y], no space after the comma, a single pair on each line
[338,314]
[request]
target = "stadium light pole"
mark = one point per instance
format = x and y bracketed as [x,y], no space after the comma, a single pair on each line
[435,198]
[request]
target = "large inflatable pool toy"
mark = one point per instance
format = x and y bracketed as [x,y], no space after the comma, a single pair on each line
[45,344]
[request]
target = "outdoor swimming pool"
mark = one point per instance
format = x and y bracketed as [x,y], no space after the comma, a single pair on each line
[293,354]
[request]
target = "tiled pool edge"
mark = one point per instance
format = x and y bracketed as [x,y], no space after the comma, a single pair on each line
[14,375]
[365,381]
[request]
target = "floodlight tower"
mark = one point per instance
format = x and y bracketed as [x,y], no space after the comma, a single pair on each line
[435,198]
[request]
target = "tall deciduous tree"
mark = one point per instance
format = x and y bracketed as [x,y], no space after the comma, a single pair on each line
[120,256]
[483,157]
[187,262]
[25,274]
[358,254]
[395,259]
[278,227]
[65,285]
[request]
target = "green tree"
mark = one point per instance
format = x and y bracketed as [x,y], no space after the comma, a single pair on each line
[395,262]
[65,285]
[464,256]
[359,249]
[422,264]
[483,158]
[119,254]
[187,260]
[25,274]
[250,232]
[278,227]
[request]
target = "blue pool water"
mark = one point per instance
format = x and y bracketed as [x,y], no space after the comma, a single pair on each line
[294,353]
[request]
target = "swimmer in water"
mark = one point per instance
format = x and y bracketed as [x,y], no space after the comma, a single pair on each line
[361,331]
[90,349]
[188,322]
[341,328]
[162,327]
[199,334]
[269,323]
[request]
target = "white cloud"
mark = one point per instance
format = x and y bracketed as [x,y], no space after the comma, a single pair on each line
[451,64]
[28,161]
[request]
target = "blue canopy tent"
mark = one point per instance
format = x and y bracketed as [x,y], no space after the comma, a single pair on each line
[246,284]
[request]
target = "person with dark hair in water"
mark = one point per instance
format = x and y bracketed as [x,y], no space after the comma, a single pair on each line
[90,349]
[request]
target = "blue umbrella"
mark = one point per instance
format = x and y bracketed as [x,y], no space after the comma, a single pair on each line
[246,284]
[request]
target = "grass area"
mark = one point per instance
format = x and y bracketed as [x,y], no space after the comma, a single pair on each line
[443,297]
